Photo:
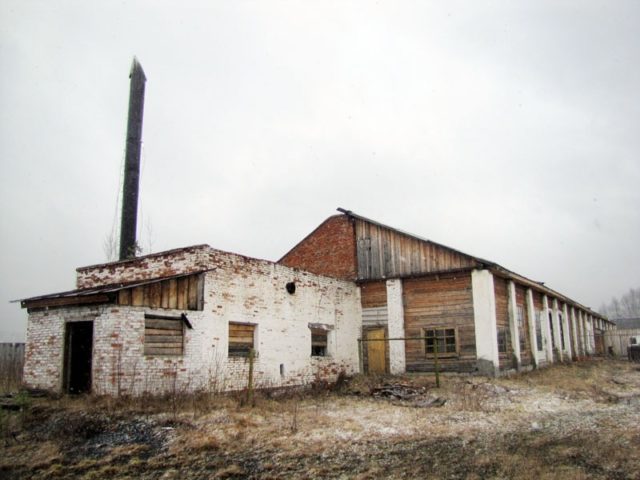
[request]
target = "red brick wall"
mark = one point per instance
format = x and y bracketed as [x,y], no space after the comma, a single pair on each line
[329,250]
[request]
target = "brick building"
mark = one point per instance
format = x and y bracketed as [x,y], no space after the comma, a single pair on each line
[434,300]
[186,319]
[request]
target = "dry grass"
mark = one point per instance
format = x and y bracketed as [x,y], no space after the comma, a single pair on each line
[568,421]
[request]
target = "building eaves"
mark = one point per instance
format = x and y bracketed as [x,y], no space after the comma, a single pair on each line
[482,263]
[98,291]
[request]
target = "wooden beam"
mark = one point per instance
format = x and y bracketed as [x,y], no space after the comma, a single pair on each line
[65,301]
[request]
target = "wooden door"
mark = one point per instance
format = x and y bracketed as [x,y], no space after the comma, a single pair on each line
[376,351]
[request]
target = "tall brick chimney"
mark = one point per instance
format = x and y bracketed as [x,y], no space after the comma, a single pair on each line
[129,220]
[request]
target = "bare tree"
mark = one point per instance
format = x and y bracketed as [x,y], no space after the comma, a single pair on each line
[627,306]
[110,247]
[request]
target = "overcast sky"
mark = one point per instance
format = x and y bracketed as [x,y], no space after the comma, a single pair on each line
[508,130]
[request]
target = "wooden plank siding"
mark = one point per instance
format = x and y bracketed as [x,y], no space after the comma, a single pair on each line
[387,253]
[373,294]
[184,293]
[500,286]
[435,302]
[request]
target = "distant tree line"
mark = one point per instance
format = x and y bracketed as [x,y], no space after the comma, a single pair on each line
[627,306]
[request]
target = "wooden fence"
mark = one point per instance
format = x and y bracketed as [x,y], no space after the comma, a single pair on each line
[11,363]
[617,341]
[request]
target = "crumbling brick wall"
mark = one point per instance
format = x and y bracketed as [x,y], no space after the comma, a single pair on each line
[164,264]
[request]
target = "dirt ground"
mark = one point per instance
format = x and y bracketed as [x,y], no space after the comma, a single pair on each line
[573,421]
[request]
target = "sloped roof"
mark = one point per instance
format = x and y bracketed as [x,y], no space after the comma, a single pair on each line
[99,294]
[496,268]
[478,260]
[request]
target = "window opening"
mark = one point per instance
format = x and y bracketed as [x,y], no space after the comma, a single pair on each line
[539,332]
[443,338]
[522,332]
[502,340]
[319,342]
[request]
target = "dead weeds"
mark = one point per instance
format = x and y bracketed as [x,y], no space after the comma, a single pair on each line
[568,421]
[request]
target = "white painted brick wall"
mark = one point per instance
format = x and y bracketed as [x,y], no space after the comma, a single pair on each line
[237,289]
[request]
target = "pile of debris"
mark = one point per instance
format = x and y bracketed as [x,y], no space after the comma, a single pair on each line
[403,394]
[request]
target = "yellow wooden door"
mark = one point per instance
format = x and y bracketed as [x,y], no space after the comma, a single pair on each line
[375,351]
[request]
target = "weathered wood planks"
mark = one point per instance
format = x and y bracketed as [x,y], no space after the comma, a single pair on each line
[387,253]
[439,301]
[163,336]
[184,293]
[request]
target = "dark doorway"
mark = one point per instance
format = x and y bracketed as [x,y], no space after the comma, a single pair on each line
[78,354]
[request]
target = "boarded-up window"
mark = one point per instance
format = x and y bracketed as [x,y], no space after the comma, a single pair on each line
[163,335]
[318,342]
[442,339]
[241,339]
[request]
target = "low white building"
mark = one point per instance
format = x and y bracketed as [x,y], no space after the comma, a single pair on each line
[185,320]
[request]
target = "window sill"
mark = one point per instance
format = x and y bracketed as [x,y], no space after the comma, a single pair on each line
[442,355]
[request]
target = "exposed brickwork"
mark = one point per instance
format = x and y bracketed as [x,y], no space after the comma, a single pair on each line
[163,264]
[236,289]
[329,250]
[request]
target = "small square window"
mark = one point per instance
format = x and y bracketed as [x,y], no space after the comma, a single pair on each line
[441,339]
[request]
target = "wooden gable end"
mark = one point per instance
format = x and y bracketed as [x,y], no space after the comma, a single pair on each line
[387,253]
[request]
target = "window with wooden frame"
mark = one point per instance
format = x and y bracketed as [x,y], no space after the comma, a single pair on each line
[522,332]
[443,339]
[502,340]
[241,339]
[553,334]
[319,342]
[163,335]
[539,331]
